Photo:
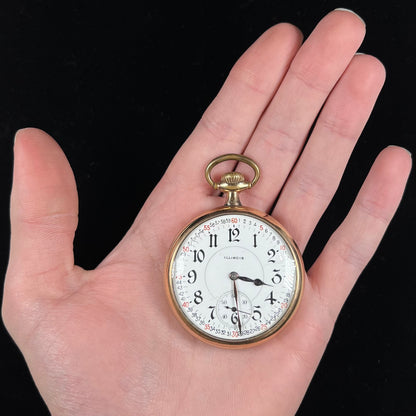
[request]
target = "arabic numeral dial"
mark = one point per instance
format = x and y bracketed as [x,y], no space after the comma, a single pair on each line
[233,278]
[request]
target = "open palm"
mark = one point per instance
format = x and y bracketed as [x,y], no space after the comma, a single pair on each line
[104,342]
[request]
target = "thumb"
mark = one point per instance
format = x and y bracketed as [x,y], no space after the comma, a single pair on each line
[43,214]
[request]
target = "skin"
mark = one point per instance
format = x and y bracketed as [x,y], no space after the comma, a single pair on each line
[86,335]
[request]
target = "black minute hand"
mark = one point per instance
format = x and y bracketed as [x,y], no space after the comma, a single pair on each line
[237,307]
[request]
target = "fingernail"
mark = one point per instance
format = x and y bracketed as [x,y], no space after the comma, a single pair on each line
[409,152]
[15,135]
[341,9]
[403,148]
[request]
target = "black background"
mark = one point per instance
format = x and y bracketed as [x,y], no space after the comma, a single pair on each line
[121,85]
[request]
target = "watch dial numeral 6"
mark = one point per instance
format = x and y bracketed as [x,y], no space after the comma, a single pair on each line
[234,318]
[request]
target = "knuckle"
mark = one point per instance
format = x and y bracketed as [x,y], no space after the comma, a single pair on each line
[250,79]
[314,185]
[218,127]
[339,126]
[307,75]
[279,141]
[351,253]
[374,208]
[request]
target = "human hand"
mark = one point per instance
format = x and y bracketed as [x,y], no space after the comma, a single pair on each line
[104,342]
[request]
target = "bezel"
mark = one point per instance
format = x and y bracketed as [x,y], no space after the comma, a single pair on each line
[169,279]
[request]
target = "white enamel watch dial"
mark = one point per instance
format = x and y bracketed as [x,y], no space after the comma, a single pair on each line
[234,276]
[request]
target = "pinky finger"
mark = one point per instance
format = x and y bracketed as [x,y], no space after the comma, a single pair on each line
[353,244]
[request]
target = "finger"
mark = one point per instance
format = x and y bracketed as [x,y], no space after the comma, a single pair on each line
[230,120]
[353,244]
[225,127]
[285,125]
[317,174]
[43,212]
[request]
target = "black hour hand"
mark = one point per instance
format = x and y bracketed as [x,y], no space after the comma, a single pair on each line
[257,282]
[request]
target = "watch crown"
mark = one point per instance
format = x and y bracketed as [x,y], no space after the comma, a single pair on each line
[233,178]
[232,182]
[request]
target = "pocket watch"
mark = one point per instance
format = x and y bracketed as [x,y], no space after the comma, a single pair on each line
[234,276]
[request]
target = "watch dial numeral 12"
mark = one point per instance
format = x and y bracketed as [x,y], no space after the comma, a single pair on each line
[233,234]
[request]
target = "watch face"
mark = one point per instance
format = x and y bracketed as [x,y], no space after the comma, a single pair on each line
[234,277]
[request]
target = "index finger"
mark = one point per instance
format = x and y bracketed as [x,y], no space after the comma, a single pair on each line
[229,121]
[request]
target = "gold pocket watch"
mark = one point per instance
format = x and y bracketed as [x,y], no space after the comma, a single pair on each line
[234,276]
